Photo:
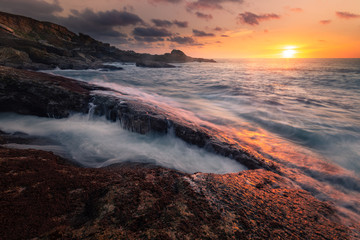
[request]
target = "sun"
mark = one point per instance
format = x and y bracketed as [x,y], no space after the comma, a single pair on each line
[289,52]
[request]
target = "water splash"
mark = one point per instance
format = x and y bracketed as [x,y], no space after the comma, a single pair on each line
[99,143]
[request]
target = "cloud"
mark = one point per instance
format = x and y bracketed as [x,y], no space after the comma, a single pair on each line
[165,1]
[204,16]
[182,40]
[162,23]
[198,33]
[347,15]
[209,4]
[110,18]
[99,24]
[181,24]
[254,19]
[218,29]
[151,32]
[324,22]
[149,39]
[38,9]
[166,23]
[296,9]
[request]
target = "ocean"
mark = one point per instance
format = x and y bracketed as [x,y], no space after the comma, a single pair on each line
[302,114]
[279,107]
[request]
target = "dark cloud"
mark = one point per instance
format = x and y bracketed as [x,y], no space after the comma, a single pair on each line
[110,18]
[254,19]
[102,25]
[209,4]
[218,29]
[182,40]
[38,9]
[324,22]
[149,39]
[204,16]
[181,24]
[151,32]
[199,33]
[99,24]
[347,15]
[162,23]
[224,35]
[165,1]
[166,23]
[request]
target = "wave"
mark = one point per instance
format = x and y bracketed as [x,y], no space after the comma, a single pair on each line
[99,143]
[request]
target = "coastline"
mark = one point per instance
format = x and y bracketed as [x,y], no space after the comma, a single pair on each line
[267,186]
[44,196]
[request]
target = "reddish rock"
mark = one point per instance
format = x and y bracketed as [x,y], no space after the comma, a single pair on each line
[45,197]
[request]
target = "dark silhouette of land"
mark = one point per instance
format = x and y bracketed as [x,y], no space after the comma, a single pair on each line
[30,44]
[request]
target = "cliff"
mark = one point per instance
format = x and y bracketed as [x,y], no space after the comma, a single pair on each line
[31,44]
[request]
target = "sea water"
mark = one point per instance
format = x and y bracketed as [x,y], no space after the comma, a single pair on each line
[308,105]
[303,114]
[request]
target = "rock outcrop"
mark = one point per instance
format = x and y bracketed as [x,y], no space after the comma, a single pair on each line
[147,201]
[30,44]
[45,95]
[41,94]
[43,196]
[153,64]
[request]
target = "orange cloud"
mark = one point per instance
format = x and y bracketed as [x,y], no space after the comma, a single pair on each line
[296,9]
[347,15]
[254,19]
[325,22]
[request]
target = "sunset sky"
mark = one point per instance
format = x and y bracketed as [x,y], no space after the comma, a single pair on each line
[210,28]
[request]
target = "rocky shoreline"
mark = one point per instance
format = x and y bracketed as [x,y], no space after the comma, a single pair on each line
[26,43]
[135,201]
[45,197]
[44,95]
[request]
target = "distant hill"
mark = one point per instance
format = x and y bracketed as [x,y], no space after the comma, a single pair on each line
[31,44]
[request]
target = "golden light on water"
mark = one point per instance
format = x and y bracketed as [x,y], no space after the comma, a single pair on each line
[289,52]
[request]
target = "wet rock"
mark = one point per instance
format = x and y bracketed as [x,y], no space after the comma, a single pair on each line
[41,94]
[45,95]
[153,64]
[45,197]
[109,68]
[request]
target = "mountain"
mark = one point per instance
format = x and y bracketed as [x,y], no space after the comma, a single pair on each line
[31,44]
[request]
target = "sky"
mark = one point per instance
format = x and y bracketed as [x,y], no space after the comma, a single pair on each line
[210,28]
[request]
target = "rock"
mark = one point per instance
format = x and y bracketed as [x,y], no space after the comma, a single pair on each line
[153,64]
[41,94]
[44,45]
[179,56]
[45,95]
[43,196]
[11,55]
[109,68]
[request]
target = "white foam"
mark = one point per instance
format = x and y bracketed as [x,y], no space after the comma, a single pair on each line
[98,143]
